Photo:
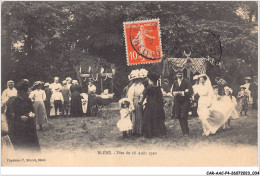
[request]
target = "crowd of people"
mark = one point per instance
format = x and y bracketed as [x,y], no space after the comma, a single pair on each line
[142,108]
[24,107]
[142,112]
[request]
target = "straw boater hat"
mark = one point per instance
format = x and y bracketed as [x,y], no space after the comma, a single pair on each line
[134,75]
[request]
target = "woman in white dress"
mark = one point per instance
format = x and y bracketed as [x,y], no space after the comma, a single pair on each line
[135,93]
[212,112]
[38,96]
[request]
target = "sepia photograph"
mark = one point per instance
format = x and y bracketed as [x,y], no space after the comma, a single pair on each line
[129,83]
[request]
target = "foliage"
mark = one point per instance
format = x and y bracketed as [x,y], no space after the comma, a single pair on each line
[54,37]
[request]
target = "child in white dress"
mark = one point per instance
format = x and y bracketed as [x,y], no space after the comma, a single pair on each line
[125,124]
[229,99]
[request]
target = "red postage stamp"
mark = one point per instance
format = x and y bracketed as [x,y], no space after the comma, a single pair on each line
[143,42]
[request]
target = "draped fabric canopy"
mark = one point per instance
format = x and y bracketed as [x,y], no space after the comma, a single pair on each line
[191,65]
[197,64]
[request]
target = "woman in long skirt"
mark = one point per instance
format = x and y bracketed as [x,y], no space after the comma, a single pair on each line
[76,105]
[135,93]
[20,118]
[154,115]
[38,97]
[91,97]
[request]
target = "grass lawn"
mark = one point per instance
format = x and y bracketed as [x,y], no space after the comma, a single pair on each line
[92,133]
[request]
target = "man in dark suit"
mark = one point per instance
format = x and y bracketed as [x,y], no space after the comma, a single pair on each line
[182,91]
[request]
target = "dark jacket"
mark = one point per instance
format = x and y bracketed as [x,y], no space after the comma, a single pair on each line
[185,84]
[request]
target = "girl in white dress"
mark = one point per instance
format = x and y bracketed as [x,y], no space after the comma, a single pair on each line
[125,124]
[38,96]
[230,101]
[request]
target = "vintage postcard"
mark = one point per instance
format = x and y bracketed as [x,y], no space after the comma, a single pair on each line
[140,83]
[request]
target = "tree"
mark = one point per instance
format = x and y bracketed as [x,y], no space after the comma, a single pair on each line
[54,37]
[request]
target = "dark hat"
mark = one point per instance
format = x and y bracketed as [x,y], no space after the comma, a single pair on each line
[22,85]
[153,77]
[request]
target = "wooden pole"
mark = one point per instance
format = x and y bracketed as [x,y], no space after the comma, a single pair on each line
[101,84]
[112,84]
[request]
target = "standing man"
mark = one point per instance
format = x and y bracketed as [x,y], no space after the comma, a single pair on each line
[182,91]
[48,97]
[55,84]
[9,92]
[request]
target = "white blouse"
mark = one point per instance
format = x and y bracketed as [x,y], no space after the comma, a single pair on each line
[38,95]
[7,93]
[135,91]
[92,89]
[54,86]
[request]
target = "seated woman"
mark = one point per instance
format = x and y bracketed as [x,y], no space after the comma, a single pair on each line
[21,122]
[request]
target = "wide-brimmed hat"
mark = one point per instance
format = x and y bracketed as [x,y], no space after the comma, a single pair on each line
[123,101]
[143,73]
[153,77]
[247,78]
[22,85]
[134,75]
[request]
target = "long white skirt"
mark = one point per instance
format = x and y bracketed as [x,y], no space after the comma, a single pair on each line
[215,116]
